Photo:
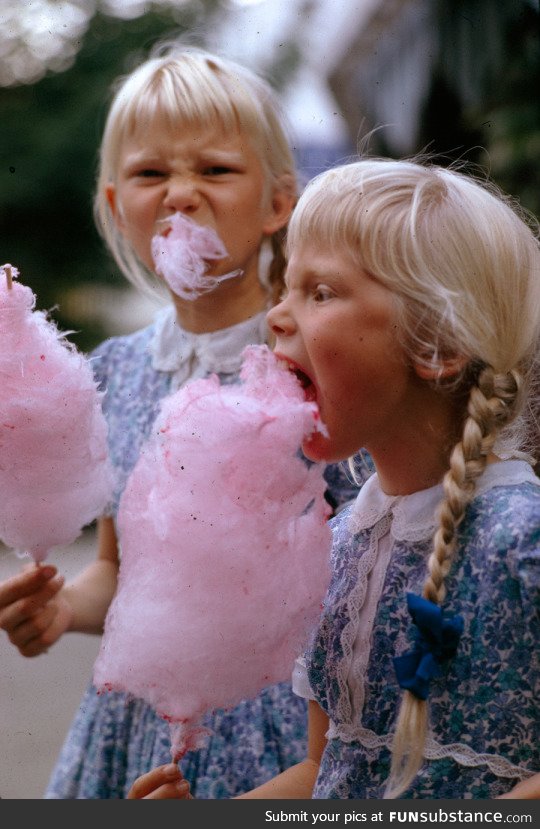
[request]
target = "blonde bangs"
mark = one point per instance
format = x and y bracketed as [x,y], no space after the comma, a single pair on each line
[168,100]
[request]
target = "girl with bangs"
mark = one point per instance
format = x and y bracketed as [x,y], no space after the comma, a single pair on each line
[195,138]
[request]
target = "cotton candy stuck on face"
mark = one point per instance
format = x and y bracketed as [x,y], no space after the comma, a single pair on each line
[183,255]
[54,470]
[225,549]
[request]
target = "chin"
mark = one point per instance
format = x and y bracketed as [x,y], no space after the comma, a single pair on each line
[319,449]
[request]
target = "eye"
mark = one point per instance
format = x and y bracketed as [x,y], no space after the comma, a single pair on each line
[322,293]
[217,170]
[149,172]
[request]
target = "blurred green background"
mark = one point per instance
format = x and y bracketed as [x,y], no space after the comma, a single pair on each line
[475,93]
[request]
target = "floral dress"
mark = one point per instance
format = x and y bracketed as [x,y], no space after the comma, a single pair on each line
[485,707]
[114,739]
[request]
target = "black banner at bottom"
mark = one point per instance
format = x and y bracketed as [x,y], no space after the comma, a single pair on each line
[279,814]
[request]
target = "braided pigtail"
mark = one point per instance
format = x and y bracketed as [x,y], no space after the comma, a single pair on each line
[493,402]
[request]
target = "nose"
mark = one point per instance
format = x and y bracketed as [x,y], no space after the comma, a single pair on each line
[182,195]
[280,320]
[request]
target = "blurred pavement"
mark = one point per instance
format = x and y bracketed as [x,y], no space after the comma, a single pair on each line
[39,696]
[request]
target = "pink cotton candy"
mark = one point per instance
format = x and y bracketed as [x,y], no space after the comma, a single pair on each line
[225,549]
[54,469]
[182,257]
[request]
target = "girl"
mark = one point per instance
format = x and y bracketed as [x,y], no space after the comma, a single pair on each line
[187,133]
[412,316]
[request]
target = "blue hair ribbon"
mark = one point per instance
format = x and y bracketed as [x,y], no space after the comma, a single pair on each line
[437,640]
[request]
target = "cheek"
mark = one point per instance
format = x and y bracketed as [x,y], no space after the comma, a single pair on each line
[341,380]
[250,202]
[139,222]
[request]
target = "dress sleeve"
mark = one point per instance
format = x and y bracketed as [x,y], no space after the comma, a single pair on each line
[300,681]
[99,360]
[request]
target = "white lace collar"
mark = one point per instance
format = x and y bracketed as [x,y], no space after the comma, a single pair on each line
[414,517]
[175,350]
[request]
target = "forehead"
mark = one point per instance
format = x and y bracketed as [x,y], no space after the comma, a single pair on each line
[160,138]
[319,260]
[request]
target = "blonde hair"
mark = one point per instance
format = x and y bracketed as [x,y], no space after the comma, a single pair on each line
[184,87]
[463,262]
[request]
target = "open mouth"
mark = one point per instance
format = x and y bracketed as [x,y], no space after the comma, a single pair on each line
[307,384]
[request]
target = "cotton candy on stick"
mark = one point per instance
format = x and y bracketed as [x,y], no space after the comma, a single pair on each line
[225,549]
[183,254]
[54,469]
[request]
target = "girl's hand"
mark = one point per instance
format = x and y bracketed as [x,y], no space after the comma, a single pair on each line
[32,613]
[526,790]
[163,783]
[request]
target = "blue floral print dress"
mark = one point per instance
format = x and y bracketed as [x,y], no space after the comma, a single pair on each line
[113,739]
[485,707]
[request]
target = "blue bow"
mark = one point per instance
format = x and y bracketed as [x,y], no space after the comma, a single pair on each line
[437,640]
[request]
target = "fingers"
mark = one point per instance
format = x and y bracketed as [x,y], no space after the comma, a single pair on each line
[164,783]
[43,629]
[30,596]
[34,636]
[528,789]
[25,584]
[27,612]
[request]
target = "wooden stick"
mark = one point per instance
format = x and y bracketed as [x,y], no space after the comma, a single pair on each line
[9,276]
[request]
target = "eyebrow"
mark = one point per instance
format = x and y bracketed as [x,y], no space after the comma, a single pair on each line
[307,274]
[217,155]
[232,157]
[140,157]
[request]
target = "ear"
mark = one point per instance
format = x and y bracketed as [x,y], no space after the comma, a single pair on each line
[112,201]
[281,206]
[440,369]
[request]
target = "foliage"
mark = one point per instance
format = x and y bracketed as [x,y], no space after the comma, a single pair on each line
[483,99]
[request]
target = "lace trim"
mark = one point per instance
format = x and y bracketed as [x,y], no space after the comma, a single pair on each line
[355,602]
[462,754]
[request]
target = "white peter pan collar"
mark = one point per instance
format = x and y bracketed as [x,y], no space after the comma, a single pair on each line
[414,517]
[189,356]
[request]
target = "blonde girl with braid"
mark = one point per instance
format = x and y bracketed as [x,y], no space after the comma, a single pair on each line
[412,317]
